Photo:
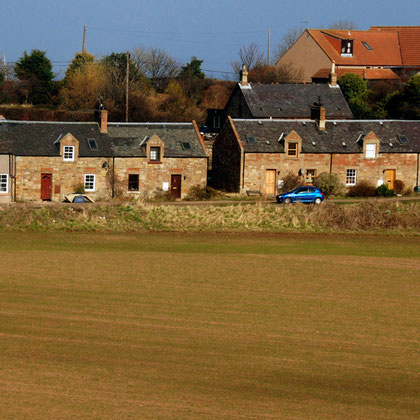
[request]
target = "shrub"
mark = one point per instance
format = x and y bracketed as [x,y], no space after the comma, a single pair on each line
[399,186]
[290,182]
[198,193]
[329,184]
[384,191]
[79,188]
[362,189]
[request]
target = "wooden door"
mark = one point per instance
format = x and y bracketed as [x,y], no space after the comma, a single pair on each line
[46,186]
[390,178]
[270,181]
[176,186]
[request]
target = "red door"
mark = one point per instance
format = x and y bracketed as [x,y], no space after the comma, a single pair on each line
[176,186]
[46,186]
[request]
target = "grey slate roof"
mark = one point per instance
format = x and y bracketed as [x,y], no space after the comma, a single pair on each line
[126,139]
[40,138]
[268,132]
[294,100]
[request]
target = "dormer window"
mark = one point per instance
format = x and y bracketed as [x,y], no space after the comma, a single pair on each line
[292,149]
[68,153]
[347,48]
[370,150]
[155,154]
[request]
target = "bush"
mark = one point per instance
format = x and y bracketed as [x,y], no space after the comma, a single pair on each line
[384,191]
[399,186]
[290,182]
[362,189]
[329,184]
[198,193]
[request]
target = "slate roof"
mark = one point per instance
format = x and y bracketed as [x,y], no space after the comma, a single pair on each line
[24,138]
[127,138]
[42,138]
[294,100]
[267,133]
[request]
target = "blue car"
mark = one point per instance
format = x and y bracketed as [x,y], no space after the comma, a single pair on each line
[301,195]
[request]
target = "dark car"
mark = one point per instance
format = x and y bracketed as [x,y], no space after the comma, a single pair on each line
[301,195]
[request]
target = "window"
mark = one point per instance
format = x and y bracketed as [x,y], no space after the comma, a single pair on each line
[250,138]
[347,47]
[92,144]
[292,149]
[133,182]
[155,154]
[4,183]
[371,150]
[90,182]
[68,153]
[351,176]
[310,176]
[403,139]
[186,146]
[367,45]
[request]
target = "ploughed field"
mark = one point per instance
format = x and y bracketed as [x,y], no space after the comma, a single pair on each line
[161,325]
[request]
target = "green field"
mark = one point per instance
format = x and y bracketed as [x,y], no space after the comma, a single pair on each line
[161,325]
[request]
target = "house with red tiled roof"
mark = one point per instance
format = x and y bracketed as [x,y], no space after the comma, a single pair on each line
[381,53]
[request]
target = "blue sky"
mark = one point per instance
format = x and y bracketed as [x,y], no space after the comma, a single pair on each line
[211,30]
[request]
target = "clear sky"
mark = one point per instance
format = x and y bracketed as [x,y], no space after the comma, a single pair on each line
[211,30]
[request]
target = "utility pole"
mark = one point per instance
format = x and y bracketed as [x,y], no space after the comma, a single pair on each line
[126,86]
[268,49]
[84,39]
[4,65]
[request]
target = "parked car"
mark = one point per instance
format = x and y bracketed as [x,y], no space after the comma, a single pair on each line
[301,195]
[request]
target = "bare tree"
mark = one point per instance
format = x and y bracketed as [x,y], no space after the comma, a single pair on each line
[155,63]
[343,24]
[249,55]
[288,39]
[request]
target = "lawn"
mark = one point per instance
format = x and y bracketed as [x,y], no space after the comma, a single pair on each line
[165,325]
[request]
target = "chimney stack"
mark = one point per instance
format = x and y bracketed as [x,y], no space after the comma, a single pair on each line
[333,75]
[103,121]
[244,76]
[318,114]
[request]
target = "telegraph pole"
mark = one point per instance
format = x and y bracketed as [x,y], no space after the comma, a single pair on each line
[126,86]
[84,39]
[268,49]
[4,65]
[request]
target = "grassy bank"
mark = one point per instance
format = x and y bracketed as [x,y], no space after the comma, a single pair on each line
[360,217]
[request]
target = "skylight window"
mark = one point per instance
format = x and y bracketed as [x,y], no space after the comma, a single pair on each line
[403,139]
[367,45]
[92,144]
[186,146]
[250,138]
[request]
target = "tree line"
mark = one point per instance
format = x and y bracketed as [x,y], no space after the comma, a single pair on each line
[162,89]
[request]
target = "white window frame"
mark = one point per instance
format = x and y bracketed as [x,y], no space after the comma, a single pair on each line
[155,152]
[89,182]
[370,151]
[68,150]
[4,183]
[351,176]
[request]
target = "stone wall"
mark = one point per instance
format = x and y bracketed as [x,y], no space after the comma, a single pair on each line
[153,176]
[371,170]
[256,165]
[66,176]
